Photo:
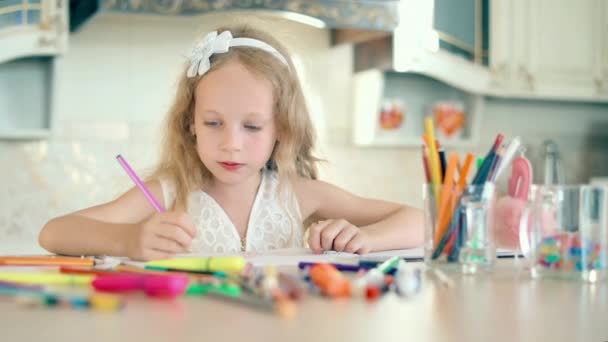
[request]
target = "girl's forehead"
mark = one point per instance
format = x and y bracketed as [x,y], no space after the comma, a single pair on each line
[233,87]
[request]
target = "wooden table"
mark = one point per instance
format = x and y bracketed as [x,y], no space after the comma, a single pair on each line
[503,306]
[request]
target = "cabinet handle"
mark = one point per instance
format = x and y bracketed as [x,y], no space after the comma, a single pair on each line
[599,84]
[528,75]
[47,41]
[499,71]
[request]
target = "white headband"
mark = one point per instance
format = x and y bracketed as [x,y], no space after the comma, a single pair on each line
[214,43]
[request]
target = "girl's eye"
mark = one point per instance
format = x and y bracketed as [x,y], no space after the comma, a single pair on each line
[212,123]
[253,127]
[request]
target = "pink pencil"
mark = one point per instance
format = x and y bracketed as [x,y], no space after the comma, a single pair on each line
[139,184]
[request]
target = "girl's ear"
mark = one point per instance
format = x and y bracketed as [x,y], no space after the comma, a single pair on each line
[192,130]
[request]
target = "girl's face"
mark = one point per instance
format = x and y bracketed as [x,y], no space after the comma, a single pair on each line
[234,123]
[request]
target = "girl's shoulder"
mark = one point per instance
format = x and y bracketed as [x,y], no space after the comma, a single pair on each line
[303,184]
[308,190]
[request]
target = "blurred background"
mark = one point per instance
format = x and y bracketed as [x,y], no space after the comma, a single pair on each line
[84,80]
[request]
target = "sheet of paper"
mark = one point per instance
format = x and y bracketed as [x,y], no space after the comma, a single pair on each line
[292,256]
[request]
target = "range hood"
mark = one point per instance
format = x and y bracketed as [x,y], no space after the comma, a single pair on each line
[375,15]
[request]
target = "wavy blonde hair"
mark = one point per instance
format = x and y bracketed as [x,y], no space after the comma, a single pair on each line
[292,155]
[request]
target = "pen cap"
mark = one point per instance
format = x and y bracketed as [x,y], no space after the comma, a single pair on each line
[165,285]
[117,283]
[154,285]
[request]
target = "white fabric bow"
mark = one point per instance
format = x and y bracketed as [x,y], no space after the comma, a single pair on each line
[214,43]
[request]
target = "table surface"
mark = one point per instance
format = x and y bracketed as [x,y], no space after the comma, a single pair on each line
[505,305]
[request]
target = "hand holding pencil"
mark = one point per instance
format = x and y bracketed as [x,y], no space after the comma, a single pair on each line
[163,234]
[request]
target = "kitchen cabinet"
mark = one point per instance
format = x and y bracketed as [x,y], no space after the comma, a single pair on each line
[32,28]
[554,49]
[32,34]
[445,40]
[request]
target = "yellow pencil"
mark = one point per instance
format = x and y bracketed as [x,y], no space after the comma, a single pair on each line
[434,159]
[46,278]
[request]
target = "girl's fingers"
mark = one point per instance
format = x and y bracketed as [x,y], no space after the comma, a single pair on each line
[166,245]
[176,234]
[343,238]
[362,250]
[355,244]
[158,255]
[314,235]
[329,234]
[181,220]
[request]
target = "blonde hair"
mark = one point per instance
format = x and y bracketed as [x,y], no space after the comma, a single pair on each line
[292,156]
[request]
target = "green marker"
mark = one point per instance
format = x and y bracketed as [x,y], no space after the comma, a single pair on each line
[198,289]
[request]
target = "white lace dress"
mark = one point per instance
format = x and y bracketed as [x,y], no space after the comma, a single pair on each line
[273,223]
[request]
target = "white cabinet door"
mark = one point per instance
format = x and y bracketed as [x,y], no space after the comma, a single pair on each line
[549,49]
[560,48]
[502,25]
[602,80]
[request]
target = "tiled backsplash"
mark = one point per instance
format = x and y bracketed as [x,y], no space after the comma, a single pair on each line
[113,97]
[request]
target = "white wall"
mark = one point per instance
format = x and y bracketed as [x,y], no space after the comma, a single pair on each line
[117,80]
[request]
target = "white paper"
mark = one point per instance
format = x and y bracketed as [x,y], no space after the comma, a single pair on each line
[293,256]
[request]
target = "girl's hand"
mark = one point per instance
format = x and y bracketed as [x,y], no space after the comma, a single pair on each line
[161,236]
[338,235]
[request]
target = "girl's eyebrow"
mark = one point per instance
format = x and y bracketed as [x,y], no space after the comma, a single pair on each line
[211,111]
[256,115]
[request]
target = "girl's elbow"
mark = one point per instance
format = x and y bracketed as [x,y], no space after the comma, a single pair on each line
[45,237]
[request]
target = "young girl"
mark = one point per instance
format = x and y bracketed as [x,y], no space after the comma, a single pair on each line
[236,172]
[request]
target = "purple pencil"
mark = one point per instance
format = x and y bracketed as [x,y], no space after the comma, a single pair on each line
[339,267]
[139,184]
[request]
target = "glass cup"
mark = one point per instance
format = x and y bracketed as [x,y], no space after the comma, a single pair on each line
[457,227]
[564,232]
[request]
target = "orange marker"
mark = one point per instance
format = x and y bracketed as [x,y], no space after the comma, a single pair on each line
[330,281]
[48,260]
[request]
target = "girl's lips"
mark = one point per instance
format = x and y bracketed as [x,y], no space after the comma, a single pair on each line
[230,166]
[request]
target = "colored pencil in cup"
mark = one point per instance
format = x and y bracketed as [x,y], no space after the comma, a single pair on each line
[139,184]
[433,159]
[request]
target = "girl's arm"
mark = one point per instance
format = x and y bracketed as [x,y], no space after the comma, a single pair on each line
[126,226]
[356,224]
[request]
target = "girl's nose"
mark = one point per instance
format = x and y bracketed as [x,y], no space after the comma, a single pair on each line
[232,140]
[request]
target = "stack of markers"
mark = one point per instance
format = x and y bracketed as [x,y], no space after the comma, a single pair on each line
[82,283]
[448,183]
[37,282]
